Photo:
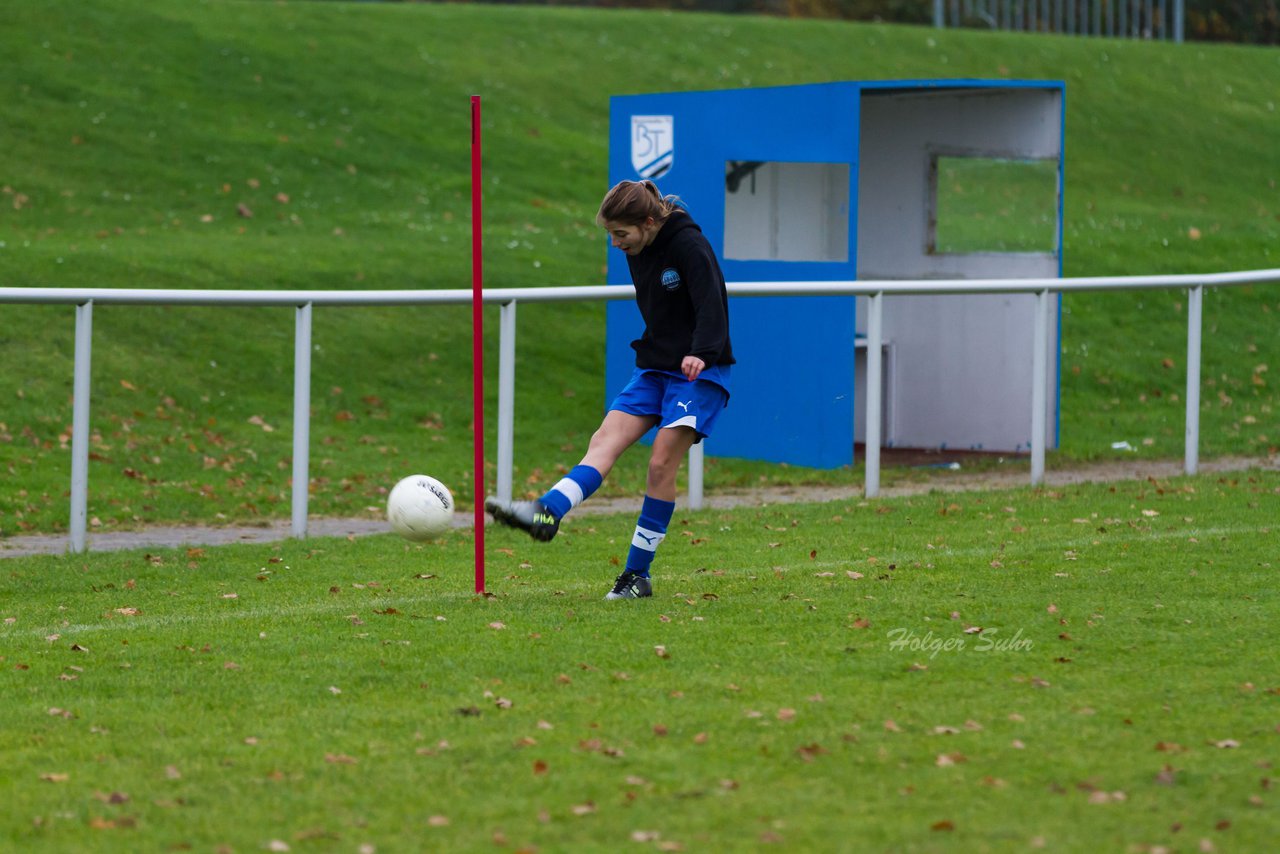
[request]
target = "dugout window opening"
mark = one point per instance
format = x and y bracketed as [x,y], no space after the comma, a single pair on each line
[778,211]
[992,205]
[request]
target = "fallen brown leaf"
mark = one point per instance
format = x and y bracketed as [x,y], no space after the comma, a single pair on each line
[340,759]
[809,752]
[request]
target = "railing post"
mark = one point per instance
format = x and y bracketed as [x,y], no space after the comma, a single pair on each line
[1039,383]
[80,426]
[301,418]
[1195,312]
[875,381]
[506,399]
[697,456]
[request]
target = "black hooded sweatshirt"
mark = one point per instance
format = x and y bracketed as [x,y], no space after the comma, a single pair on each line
[682,297]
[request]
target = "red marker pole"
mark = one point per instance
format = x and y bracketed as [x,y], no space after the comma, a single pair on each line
[477,339]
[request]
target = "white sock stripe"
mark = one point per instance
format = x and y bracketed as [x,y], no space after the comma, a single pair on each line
[647,540]
[571,490]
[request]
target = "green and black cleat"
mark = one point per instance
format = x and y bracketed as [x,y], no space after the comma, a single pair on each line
[529,516]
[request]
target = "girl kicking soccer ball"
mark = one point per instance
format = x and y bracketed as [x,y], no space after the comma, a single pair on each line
[681,380]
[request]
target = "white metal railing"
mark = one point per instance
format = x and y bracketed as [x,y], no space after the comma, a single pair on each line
[84,300]
[1139,19]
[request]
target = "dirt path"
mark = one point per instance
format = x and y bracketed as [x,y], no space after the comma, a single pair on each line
[941,480]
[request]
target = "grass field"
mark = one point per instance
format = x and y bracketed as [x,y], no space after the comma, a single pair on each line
[169,143]
[1082,669]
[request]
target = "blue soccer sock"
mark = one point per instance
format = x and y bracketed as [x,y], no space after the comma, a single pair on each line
[651,530]
[572,489]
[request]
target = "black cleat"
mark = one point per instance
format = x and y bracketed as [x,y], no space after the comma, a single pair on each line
[629,585]
[529,516]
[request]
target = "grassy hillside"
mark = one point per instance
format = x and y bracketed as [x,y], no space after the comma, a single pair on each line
[325,145]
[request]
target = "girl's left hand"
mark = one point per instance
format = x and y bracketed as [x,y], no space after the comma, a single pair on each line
[691,367]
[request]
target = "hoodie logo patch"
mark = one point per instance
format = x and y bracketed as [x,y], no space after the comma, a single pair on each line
[670,279]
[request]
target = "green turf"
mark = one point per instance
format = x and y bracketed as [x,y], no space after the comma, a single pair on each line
[1080,669]
[173,143]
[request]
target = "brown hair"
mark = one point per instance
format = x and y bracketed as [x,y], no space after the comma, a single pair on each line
[633,202]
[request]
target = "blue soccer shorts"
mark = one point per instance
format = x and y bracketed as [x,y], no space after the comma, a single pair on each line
[675,401]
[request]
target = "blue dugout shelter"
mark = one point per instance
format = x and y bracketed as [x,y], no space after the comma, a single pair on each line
[860,180]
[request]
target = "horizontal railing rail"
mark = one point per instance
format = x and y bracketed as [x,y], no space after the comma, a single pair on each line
[84,300]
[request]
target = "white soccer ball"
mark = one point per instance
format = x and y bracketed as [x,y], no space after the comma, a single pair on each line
[420,507]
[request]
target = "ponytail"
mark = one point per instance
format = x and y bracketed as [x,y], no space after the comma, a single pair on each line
[634,202]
